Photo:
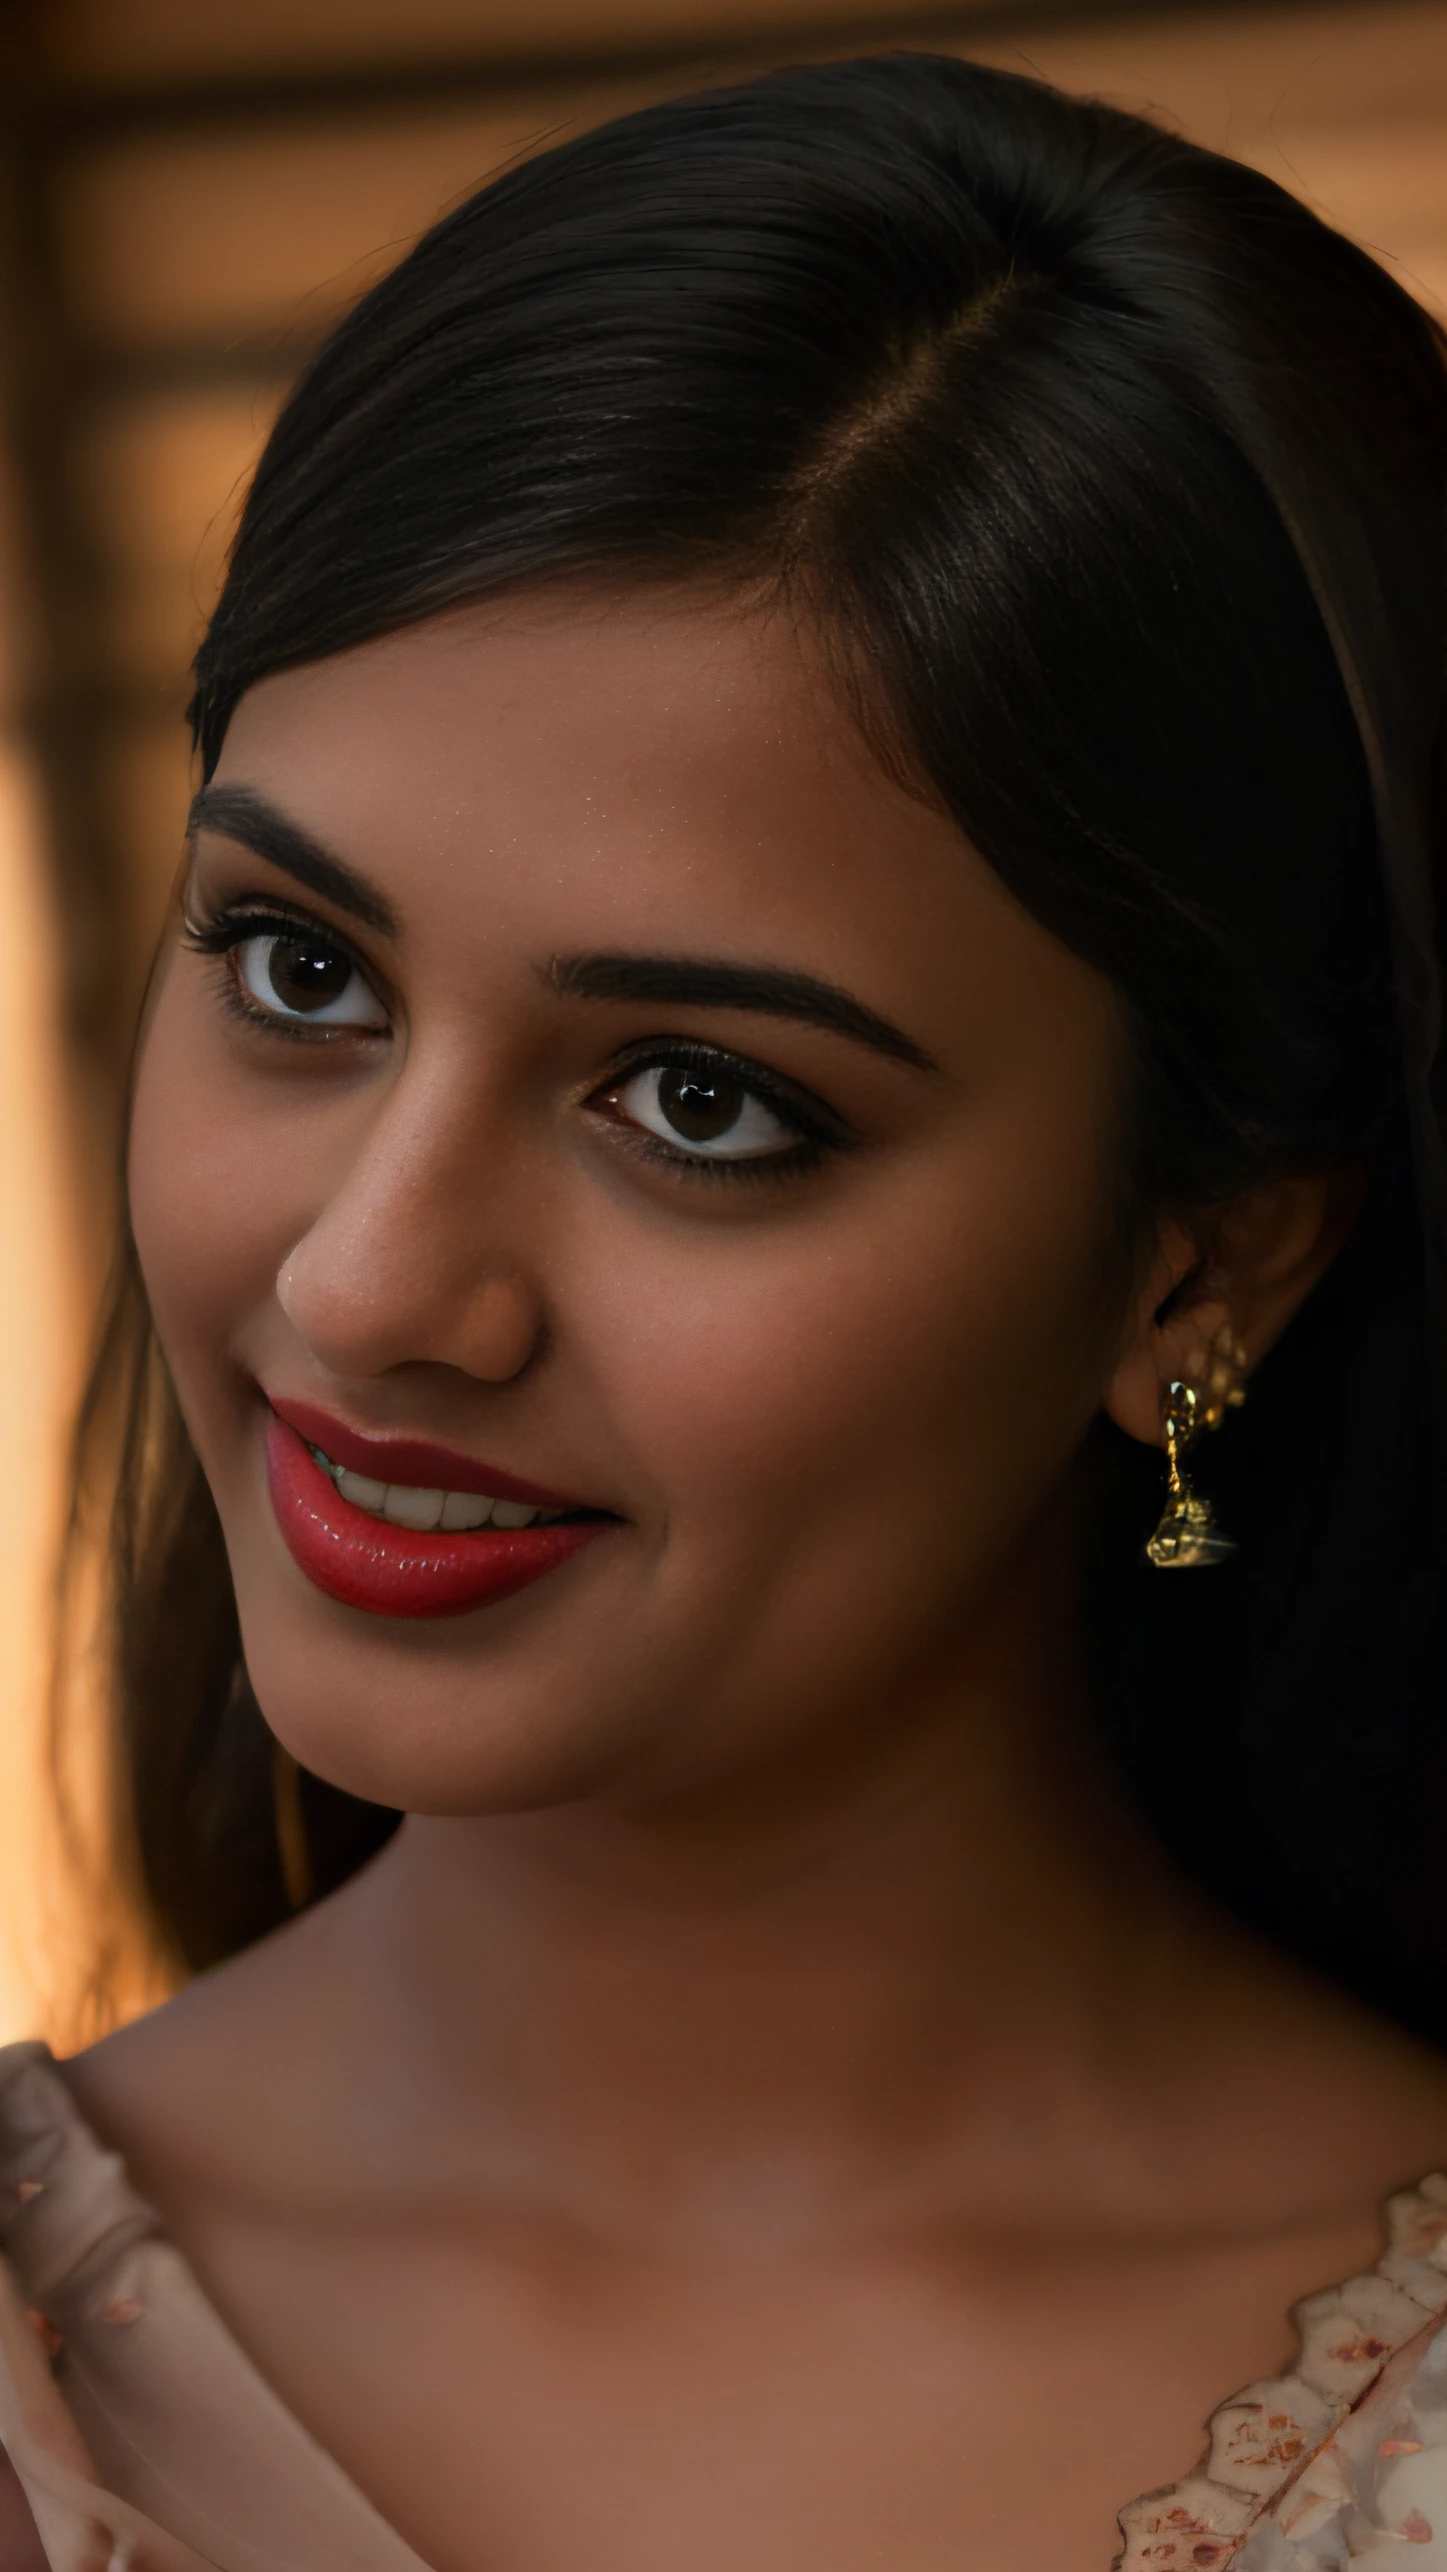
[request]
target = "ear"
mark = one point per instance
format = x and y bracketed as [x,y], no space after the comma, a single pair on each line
[1249,1268]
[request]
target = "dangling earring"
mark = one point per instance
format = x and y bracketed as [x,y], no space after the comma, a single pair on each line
[1188,1535]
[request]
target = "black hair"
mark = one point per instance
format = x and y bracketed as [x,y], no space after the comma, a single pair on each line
[1114,481]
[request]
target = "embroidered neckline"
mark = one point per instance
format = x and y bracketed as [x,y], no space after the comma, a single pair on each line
[1266,2446]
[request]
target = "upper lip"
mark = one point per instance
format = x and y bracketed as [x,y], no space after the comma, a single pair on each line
[413,1461]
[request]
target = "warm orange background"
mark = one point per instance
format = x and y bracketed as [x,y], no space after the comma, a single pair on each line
[195,191]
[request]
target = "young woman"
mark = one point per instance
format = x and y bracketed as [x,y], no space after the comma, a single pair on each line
[808,945]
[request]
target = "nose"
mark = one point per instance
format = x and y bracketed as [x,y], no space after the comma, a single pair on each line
[407,1260]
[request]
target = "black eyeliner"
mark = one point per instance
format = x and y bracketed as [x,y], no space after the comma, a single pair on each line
[816,1128]
[256,917]
[817,1131]
[806,1113]
[260,916]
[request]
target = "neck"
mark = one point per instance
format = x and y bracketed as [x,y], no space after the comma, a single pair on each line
[841,1974]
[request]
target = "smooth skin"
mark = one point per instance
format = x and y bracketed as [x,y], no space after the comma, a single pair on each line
[770,2109]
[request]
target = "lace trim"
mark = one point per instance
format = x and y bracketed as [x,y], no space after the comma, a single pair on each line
[1269,2437]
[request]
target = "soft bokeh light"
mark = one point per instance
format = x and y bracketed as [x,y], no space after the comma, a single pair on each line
[40,1336]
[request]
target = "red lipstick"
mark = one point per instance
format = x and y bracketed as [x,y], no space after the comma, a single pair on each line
[410,1460]
[367,1563]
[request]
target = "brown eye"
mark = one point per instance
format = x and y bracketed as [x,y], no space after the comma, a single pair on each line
[296,975]
[701,1111]
[707,1114]
[306,976]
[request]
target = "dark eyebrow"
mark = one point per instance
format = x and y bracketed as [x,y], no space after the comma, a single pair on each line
[239,813]
[696,982]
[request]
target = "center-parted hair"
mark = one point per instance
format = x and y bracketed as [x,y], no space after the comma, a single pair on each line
[1114,483]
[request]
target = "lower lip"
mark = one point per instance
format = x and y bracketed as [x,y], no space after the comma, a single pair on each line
[390,1571]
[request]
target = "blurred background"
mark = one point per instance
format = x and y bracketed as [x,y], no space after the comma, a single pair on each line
[192,191]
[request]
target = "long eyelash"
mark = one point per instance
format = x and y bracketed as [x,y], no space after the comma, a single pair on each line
[240,920]
[818,1134]
[237,922]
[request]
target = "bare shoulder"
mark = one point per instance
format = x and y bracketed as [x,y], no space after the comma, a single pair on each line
[223,2084]
[1322,2103]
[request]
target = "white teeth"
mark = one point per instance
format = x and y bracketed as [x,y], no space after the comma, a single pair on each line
[406,1507]
[403,1505]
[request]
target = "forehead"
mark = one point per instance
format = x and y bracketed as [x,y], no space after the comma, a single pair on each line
[662,772]
[653,722]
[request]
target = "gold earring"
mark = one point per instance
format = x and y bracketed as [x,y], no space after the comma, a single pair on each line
[1188,1535]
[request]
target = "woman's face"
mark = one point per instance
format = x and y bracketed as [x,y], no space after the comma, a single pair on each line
[603,1074]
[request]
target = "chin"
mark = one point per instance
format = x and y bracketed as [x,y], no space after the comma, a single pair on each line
[402,1717]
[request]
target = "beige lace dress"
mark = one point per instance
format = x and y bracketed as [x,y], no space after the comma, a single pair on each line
[143,2440]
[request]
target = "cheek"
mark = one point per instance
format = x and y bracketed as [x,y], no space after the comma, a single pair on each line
[907,1373]
[209,1203]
